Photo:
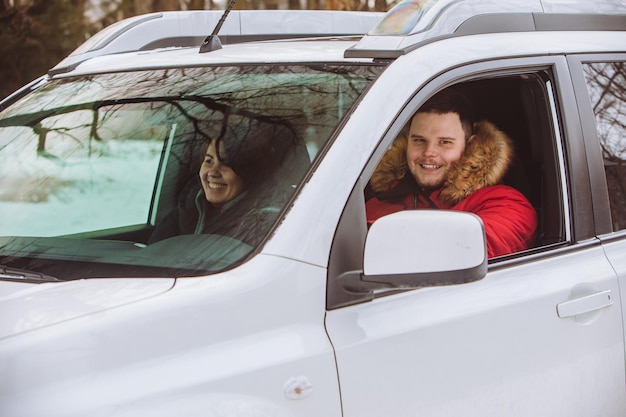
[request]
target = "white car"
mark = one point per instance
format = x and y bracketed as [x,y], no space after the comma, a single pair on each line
[296,307]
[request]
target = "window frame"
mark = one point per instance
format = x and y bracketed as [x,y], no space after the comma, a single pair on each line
[346,256]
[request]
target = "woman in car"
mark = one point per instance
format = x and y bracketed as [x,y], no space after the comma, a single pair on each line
[246,178]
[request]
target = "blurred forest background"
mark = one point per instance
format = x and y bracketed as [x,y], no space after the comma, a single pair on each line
[37,34]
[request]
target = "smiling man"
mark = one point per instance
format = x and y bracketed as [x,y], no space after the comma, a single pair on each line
[446,161]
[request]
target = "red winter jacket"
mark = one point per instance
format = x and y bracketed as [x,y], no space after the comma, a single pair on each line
[509,218]
[472,185]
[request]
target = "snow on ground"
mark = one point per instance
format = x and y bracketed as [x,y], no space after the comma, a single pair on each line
[45,196]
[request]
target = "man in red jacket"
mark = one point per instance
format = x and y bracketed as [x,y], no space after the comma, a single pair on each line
[446,161]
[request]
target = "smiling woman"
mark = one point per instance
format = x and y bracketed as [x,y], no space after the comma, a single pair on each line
[220,183]
[246,177]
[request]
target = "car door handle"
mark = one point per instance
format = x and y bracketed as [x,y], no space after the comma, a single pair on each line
[585,304]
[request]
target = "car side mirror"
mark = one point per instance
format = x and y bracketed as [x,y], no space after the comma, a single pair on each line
[421,248]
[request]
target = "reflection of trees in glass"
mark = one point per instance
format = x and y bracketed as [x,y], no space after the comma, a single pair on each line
[78,118]
[607,89]
[311,99]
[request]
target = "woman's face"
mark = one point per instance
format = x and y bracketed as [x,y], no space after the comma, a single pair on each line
[220,183]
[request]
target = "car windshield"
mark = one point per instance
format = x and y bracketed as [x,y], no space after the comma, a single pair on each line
[169,172]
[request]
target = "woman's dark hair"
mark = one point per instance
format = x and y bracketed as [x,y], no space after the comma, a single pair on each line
[271,159]
[256,148]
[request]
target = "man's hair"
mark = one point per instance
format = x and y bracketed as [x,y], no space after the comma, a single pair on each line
[451,101]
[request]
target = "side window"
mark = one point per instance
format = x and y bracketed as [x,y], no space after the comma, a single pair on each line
[508,172]
[606,83]
[521,106]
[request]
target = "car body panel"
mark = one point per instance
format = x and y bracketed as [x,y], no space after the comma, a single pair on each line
[461,49]
[493,347]
[254,52]
[210,344]
[28,307]
[616,252]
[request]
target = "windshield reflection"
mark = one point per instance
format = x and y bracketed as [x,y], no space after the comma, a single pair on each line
[116,160]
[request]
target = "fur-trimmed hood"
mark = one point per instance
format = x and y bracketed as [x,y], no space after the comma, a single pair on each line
[486,160]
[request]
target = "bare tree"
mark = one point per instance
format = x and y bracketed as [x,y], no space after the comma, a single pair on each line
[35,35]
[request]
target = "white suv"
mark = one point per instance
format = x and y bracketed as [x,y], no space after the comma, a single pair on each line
[295,307]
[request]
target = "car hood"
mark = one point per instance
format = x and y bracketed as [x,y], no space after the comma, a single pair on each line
[25,306]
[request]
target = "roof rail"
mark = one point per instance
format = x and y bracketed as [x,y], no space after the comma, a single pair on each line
[412,23]
[190,28]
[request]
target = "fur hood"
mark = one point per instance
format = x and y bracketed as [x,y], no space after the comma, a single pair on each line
[486,160]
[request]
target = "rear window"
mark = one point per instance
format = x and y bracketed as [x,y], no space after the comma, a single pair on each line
[172,172]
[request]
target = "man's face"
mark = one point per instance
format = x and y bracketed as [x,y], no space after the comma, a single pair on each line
[435,142]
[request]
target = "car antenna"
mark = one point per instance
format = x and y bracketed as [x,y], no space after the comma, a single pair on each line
[212,42]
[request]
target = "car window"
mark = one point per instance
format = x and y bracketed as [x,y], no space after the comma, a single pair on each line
[98,173]
[106,169]
[519,108]
[524,106]
[606,84]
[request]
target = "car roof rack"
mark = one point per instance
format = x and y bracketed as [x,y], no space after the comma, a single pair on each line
[412,23]
[190,28]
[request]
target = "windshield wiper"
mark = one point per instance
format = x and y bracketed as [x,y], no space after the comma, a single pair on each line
[23,275]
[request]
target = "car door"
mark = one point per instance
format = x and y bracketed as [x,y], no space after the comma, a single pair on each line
[540,335]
